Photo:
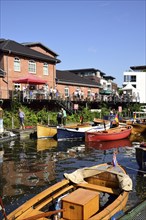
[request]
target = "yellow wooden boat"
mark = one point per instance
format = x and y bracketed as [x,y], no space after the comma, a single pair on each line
[44,131]
[97,192]
[137,127]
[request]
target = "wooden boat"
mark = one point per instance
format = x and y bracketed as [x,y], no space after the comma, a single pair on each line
[78,132]
[141,155]
[104,145]
[138,128]
[45,143]
[44,131]
[109,135]
[82,195]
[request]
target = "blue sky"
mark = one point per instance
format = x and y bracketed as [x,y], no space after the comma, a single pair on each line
[105,35]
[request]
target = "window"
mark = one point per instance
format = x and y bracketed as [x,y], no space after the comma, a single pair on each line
[45,69]
[133,78]
[31,67]
[66,91]
[16,64]
[126,78]
[89,93]
[17,87]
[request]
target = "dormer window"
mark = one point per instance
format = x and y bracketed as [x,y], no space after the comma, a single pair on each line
[45,69]
[31,67]
[16,64]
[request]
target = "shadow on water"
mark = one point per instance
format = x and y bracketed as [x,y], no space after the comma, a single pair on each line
[29,166]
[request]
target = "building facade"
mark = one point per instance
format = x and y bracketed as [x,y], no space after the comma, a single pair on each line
[18,60]
[134,83]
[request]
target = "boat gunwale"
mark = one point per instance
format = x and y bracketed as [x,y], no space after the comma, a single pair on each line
[50,196]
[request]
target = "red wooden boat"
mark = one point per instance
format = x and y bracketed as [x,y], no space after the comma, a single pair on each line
[109,135]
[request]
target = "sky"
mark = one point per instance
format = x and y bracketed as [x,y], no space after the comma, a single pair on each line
[106,35]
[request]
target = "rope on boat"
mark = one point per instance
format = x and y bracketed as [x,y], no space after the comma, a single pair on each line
[142,171]
[2,209]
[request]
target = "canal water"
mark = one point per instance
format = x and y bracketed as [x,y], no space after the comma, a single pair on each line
[28,166]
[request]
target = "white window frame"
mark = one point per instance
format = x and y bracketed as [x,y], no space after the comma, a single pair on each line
[89,93]
[32,66]
[66,92]
[17,87]
[17,64]
[45,69]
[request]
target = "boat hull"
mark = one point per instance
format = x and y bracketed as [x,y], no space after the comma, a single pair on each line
[141,156]
[46,131]
[108,135]
[138,128]
[69,133]
[100,178]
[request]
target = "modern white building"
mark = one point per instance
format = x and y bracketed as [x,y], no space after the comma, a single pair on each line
[135,83]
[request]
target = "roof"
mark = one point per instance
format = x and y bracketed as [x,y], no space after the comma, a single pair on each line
[70,78]
[92,70]
[29,44]
[143,67]
[129,87]
[108,77]
[9,46]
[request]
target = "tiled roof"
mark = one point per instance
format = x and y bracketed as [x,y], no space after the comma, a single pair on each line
[70,78]
[29,44]
[9,46]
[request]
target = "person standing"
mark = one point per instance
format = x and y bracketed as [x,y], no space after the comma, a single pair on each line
[59,118]
[1,120]
[21,118]
[63,116]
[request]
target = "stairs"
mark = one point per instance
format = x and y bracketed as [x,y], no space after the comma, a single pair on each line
[66,104]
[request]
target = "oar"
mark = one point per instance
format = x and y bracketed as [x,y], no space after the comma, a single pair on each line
[45,214]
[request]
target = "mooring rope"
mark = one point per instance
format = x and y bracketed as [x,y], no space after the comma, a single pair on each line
[142,171]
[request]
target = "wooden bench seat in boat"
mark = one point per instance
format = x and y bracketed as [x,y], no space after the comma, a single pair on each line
[31,212]
[99,188]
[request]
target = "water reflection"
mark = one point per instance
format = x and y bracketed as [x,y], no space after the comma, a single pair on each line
[29,166]
[103,145]
[44,144]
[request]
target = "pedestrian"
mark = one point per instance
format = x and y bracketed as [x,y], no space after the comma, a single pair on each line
[21,118]
[63,116]
[1,120]
[81,119]
[59,117]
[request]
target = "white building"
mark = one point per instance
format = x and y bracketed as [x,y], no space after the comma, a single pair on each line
[135,83]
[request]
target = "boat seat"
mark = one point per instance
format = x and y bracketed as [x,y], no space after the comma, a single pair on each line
[31,213]
[99,188]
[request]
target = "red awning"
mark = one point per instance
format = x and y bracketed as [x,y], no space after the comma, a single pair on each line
[30,79]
